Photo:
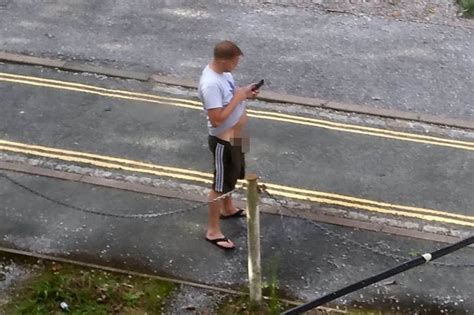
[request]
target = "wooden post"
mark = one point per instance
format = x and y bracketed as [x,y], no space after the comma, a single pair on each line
[253,236]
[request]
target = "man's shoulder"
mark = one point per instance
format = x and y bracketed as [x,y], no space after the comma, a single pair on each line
[209,81]
[209,84]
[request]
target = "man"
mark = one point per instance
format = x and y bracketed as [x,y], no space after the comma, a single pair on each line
[226,116]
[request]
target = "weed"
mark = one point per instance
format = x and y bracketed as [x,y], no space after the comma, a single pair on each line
[88,291]
[467,7]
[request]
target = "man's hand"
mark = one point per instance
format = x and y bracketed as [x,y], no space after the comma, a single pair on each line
[246,92]
[254,92]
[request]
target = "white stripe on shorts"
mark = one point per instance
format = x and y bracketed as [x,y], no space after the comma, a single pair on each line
[219,167]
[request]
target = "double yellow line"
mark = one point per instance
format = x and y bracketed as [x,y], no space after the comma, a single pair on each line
[266,115]
[206,178]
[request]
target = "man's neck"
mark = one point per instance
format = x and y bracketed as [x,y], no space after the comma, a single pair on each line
[215,67]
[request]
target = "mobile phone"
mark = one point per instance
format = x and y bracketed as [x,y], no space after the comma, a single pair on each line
[258,85]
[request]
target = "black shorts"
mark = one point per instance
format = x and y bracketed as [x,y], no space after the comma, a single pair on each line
[229,164]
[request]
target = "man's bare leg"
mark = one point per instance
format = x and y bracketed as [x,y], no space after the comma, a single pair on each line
[229,207]
[214,229]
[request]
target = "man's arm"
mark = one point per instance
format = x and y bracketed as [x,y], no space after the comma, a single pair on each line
[218,115]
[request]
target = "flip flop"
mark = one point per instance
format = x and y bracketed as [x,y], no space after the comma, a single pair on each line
[219,240]
[240,213]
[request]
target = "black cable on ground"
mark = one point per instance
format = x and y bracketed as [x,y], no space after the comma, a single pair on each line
[426,258]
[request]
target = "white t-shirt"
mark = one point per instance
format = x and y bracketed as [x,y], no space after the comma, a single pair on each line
[215,91]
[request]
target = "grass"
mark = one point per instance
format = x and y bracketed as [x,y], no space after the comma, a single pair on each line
[242,306]
[88,291]
[271,306]
[467,7]
[271,290]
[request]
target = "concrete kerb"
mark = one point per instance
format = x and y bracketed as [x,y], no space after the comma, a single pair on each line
[81,67]
[267,96]
[30,60]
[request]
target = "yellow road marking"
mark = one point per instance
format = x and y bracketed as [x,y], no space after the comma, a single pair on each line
[202,177]
[314,193]
[103,158]
[361,128]
[143,97]
[374,209]
[97,88]
[104,164]
[444,143]
[60,87]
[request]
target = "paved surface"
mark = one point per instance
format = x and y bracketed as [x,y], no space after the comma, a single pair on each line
[417,67]
[308,262]
[399,172]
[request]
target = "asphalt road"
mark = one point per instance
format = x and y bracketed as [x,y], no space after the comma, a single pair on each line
[287,153]
[380,62]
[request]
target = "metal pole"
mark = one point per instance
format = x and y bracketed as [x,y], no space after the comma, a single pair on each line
[253,236]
